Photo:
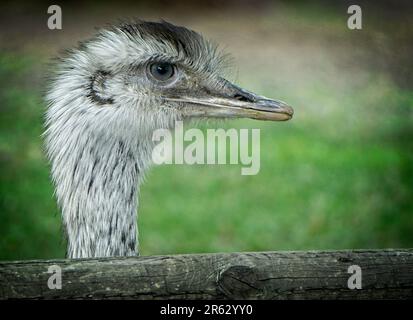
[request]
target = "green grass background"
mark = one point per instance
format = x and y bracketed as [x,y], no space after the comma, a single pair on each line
[339,175]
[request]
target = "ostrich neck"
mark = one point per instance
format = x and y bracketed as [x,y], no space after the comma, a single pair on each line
[98,192]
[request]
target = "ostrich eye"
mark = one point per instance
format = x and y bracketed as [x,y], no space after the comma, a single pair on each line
[162,71]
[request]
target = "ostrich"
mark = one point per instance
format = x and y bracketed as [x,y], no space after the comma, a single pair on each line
[105,99]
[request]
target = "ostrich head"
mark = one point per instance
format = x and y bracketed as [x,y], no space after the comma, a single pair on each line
[106,99]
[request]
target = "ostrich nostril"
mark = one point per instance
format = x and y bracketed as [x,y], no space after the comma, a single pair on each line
[242,97]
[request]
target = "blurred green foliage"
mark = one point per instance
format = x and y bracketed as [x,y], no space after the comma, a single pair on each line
[29,221]
[339,175]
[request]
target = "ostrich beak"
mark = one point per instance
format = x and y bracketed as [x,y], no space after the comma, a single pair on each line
[232,101]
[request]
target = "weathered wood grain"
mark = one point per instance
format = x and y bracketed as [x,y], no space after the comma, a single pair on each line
[386,274]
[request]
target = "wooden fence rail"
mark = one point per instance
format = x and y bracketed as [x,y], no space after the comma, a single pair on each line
[385,274]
